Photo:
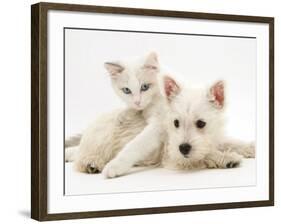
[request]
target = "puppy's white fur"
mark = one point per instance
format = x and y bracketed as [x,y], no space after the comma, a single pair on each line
[189,106]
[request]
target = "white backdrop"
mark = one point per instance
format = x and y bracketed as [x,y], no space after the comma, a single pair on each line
[58,20]
[198,60]
[15,113]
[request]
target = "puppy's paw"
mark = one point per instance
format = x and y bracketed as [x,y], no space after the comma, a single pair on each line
[232,160]
[210,164]
[114,169]
[232,164]
[91,169]
[249,151]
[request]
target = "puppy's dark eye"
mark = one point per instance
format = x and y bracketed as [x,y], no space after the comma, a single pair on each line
[200,124]
[176,123]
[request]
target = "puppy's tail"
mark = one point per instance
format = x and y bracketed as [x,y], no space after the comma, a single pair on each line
[72,147]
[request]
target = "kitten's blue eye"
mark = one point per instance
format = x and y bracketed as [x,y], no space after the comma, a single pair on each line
[126,90]
[145,87]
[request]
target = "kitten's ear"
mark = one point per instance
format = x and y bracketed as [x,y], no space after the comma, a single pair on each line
[216,94]
[113,68]
[151,62]
[171,88]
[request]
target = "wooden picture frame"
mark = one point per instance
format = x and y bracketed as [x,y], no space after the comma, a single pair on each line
[39,109]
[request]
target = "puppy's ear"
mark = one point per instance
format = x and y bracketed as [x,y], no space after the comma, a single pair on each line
[216,94]
[171,88]
[151,62]
[113,68]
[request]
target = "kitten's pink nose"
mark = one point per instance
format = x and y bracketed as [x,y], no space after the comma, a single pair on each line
[137,103]
[137,100]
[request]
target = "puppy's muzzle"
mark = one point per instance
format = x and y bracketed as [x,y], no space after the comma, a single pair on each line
[185,149]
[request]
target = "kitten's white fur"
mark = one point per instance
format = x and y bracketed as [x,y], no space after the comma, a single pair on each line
[106,137]
[150,139]
[130,75]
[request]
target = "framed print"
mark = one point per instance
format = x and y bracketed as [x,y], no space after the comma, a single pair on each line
[139,111]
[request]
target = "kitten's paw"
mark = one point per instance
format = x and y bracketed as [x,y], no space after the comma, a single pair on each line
[115,169]
[232,160]
[91,169]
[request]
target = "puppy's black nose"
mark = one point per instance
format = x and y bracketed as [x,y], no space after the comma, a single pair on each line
[185,148]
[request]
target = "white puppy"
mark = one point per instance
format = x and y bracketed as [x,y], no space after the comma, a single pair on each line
[195,129]
[192,132]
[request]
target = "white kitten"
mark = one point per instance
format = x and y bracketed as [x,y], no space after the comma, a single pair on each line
[141,92]
[136,83]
